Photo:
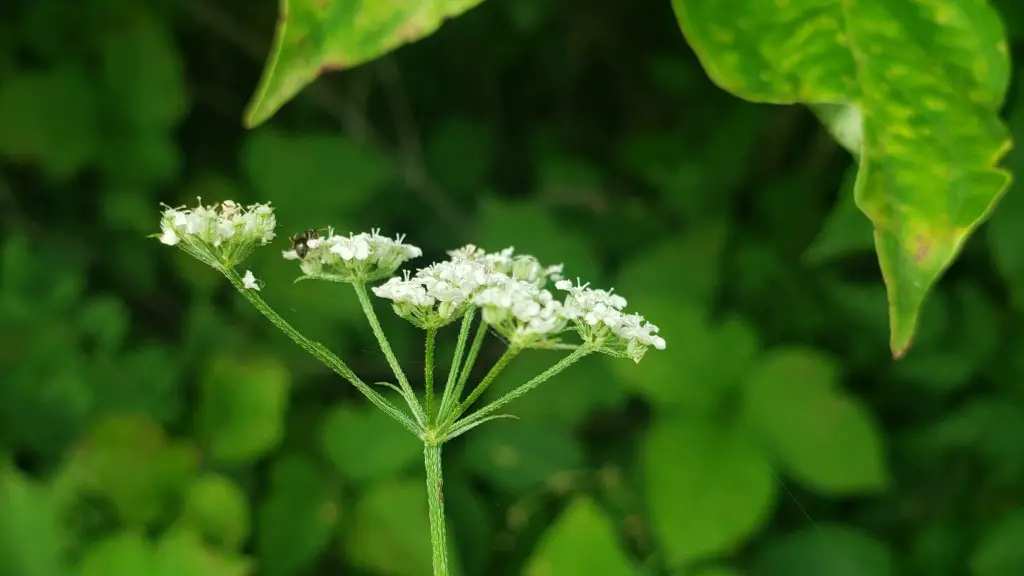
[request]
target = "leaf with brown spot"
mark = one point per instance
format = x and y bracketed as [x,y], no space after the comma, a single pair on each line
[314,37]
[928,79]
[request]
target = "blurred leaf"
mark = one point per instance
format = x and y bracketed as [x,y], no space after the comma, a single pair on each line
[844,122]
[389,533]
[924,189]
[128,459]
[126,553]
[581,541]
[104,322]
[518,456]
[846,231]
[344,437]
[49,118]
[296,520]
[532,229]
[181,552]
[470,520]
[218,509]
[1005,235]
[243,405]
[999,553]
[686,267]
[313,176]
[460,154]
[819,550]
[817,434]
[314,38]
[569,398]
[708,488]
[702,364]
[32,540]
[990,426]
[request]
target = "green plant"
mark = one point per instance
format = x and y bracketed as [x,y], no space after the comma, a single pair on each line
[507,289]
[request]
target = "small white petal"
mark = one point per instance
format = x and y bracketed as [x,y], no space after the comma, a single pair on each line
[249,281]
[169,237]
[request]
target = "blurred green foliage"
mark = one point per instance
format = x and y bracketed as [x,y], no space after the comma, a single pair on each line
[151,422]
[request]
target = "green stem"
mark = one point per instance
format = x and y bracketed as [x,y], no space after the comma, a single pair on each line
[474,351]
[428,372]
[498,367]
[382,340]
[451,396]
[537,380]
[321,353]
[435,503]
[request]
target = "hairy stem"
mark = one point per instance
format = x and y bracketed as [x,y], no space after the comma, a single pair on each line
[522,389]
[385,346]
[428,372]
[450,397]
[474,351]
[435,502]
[498,367]
[320,352]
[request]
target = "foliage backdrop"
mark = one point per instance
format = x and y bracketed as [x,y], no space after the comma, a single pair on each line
[149,420]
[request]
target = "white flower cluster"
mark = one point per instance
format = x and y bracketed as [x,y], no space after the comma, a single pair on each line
[600,319]
[364,257]
[510,291]
[221,234]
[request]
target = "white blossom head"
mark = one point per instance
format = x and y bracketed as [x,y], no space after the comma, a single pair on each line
[438,294]
[520,267]
[601,322]
[526,315]
[364,257]
[221,235]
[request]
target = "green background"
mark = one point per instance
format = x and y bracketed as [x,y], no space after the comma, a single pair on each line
[152,423]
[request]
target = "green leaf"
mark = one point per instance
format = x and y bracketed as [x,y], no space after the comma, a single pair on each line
[819,550]
[311,175]
[999,553]
[243,404]
[128,459]
[698,373]
[218,509]
[316,36]
[124,554]
[928,81]
[519,456]
[181,552]
[817,434]
[1004,234]
[344,438]
[297,519]
[708,488]
[581,541]
[50,118]
[390,533]
[32,541]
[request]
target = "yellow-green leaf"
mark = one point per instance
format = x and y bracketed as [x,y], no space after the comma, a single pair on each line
[581,541]
[317,36]
[928,80]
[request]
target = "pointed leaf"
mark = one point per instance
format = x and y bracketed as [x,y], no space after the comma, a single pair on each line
[928,80]
[581,541]
[317,36]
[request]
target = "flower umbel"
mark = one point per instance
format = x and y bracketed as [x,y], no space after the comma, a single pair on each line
[438,294]
[221,235]
[600,320]
[364,257]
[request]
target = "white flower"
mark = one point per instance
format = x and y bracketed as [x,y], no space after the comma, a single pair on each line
[438,294]
[521,267]
[601,321]
[249,281]
[526,315]
[221,235]
[361,257]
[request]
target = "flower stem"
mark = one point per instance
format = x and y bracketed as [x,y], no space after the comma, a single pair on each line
[320,352]
[474,351]
[435,503]
[498,367]
[385,346]
[537,380]
[451,394]
[428,372]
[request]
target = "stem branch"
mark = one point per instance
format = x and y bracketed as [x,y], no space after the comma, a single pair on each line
[428,372]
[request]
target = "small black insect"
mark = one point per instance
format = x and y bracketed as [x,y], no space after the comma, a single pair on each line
[300,242]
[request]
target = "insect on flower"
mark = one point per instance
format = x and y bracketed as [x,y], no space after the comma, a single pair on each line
[300,242]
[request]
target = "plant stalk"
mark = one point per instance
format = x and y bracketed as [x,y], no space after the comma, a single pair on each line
[435,503]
